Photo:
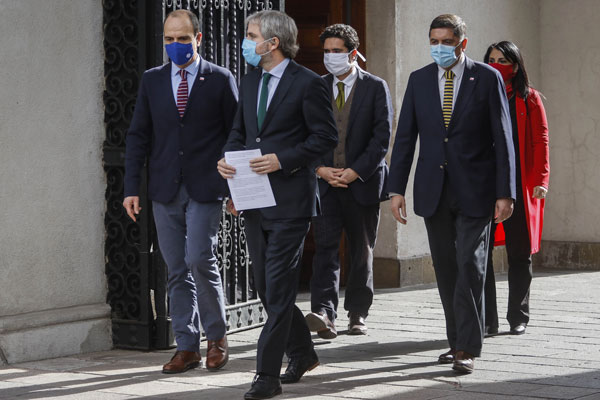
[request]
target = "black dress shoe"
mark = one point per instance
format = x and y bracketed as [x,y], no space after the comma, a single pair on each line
[463,362]
[491,330]
[298,366]
[518,329]
[263,387]
[447,357]
[356,324]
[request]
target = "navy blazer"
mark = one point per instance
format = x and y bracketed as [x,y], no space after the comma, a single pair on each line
[476,152]
[367,138]
[177,148]
[298,127]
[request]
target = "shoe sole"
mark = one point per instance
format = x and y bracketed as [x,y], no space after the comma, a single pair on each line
[187,368]
[276,393]
[315,324]
[327,334]
[315,365]
[357,331]
[462,369]
[443,361]
[213,369]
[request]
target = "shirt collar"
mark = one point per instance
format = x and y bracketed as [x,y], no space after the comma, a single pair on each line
[350,79]
[458,69]
[191,69]
[279,69]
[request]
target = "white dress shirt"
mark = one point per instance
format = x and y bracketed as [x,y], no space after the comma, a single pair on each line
[458,70]
[276,74]
[348,83]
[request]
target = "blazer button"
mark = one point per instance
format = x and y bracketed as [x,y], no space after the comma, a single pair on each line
[176,180]
[181,124]
[441,167]
[446,140]
[180,152]
[257,140]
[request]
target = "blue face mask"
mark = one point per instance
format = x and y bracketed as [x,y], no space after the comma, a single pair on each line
[444,55]
[249,52]
[180,53]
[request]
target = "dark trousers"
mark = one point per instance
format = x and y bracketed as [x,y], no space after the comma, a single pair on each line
[459,249]
[341,213]
[275,248]
[520,274]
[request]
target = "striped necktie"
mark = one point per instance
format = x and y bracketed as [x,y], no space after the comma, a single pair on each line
[448,95]
[182,93]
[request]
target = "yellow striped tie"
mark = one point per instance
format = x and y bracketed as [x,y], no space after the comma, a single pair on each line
[448,94]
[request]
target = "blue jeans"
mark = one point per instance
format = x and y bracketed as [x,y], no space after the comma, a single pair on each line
[187,236]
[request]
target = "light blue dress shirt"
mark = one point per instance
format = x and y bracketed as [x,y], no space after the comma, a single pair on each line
[191,69]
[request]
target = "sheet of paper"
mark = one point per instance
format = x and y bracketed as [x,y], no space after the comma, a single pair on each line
[248,189]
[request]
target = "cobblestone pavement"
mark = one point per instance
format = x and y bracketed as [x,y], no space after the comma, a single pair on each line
[558,357]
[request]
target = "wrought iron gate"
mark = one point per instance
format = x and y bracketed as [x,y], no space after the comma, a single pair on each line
[136,273]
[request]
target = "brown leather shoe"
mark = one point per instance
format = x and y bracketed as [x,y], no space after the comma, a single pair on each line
[217,354]
[463,362]
[447,357]
[182,361]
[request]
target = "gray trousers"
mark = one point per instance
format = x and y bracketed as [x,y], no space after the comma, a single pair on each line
[187,236]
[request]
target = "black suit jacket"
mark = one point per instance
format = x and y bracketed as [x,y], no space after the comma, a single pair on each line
[476,152]
[298,127]
[174,146]
[367,138]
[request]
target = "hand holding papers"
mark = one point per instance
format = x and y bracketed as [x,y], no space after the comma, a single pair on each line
[248,189]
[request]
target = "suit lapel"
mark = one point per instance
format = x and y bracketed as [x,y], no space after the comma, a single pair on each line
[469,80]
[250,98]
[204,70]
[284,85]
[359,95]
[433,89]
[167,88]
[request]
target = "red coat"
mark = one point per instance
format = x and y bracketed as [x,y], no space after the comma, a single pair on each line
[535,164]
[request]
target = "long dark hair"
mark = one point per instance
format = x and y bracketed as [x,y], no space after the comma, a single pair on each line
[511,52]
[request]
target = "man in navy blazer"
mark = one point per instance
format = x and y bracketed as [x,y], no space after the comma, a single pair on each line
[465,175]
[351,185]
[284,111]
[181,121]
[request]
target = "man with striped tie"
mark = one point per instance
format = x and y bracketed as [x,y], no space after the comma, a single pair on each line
[182,118]
[465,176]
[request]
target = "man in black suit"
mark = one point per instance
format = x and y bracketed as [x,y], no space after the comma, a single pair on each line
[181,121]
[351,185]
[465,175]
[285,112]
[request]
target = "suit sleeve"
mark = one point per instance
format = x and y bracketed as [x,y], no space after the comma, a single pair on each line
[137,141]
[237,136]
[366,164]
[230,102]
[322,132]
[539,138]
[404,143]
[503,142]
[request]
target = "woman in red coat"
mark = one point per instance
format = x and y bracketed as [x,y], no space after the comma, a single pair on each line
[522,232]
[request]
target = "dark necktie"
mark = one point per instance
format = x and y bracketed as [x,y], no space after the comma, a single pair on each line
[182,93]
[340,100]
[262,103]
[448,95]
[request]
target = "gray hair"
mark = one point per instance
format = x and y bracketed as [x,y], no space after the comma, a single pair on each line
[280,25]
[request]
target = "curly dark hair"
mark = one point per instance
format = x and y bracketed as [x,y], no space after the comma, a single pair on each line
[341,31]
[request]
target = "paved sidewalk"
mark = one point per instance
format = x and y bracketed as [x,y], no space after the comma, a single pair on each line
[558,357]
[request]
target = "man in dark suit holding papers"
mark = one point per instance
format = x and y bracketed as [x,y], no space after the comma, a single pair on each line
[285,112]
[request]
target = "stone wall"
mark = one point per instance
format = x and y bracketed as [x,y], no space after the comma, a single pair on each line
[52,282]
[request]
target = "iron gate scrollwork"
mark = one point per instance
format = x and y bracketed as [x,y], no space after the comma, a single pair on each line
[136,273]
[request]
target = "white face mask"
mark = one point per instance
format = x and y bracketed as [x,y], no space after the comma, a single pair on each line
[337,63]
